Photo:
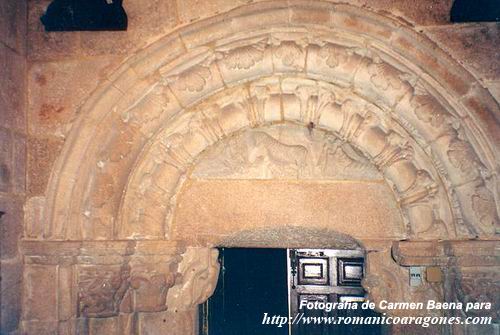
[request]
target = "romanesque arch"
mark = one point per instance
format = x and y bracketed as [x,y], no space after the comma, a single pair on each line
[368,80]
[418,92]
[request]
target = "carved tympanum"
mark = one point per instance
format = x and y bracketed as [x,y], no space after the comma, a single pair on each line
[284,152]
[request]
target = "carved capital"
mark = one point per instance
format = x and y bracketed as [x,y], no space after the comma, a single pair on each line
[199,271]
[101,289]
[150,279]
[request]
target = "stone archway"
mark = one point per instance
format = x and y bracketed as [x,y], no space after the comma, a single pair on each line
[367,80]
[419,89]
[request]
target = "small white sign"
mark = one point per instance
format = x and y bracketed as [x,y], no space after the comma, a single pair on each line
[415,275]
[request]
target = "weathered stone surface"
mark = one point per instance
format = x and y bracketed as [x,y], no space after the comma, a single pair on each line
[494,88]
[425,12]
[472,45]
[12,94]
[215,208]
[10,295]
[386,280]
[13,24]
[172,323]
[190,10]
[42,153]
[34,223]
[41,327]
[150,18]
[36,8]
[19,163]
[5,160]
[45,46]
[11,225]
[478,284]
[289,237]
[40,293]
[58,88]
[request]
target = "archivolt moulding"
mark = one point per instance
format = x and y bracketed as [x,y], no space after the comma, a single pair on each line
[163,165]
[419,87]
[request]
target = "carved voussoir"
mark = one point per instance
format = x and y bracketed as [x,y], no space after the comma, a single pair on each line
[383,82]
[458,156]
[194,79]
[265,96]
[304,100]
[328,60]
[289,56]
[479,207]
[251,60]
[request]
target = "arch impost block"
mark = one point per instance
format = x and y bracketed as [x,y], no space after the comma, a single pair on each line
[466,253]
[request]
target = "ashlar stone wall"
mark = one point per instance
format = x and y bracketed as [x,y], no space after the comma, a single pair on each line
[125,133]
[13,157]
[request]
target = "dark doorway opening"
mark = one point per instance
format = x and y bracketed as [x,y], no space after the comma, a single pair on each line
[258,289]
[251,282]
